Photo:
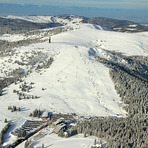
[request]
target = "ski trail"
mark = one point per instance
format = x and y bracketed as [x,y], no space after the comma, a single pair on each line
[95,85]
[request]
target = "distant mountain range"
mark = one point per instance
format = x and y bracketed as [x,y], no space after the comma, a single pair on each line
[19,24]
[139,16]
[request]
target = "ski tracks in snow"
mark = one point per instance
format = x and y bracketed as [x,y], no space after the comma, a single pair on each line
[91,69]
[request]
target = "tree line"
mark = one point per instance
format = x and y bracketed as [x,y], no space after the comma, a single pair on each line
[130,132]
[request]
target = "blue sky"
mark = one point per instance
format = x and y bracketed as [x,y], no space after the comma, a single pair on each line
[120,4]
[134,10]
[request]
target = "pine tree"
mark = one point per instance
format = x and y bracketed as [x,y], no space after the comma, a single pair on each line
[23,133]
[43,145]
[5,120]
[95,142]
[0,92]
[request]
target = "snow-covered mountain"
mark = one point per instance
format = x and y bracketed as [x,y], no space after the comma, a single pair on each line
[36,22]
[64,75]
[48,19]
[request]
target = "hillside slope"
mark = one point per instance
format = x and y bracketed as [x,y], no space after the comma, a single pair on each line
[51,21]
[65,76]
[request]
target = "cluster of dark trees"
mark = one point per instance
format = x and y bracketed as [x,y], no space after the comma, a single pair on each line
[14,108]
[23,96]
[36,113]
[21,133]
[19,63]
[6,82]
[28,144]
[5,49]
[8,46]
[5,45]
[133,91]
[46,64]
[132,86]
[115,25]
[27,97]
[3,132]
[25,88]
[119,132]
[18,72]
[139,64]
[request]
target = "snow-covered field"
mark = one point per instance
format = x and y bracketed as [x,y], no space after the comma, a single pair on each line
[75,82]
[53,141]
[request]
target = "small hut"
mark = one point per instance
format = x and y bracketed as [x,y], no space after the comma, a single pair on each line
[45,115]
[60,127]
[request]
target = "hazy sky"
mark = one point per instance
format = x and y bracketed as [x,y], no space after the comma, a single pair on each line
[120,4]
[134,10]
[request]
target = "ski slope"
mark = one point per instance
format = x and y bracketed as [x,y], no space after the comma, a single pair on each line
[75,82]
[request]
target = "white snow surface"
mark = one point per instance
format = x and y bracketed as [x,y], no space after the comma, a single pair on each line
[134,25]
[46,19]
[75,82]
[35,19]
[53,141]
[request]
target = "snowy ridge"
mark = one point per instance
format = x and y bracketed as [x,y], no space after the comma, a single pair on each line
[47,19]
[35,19]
